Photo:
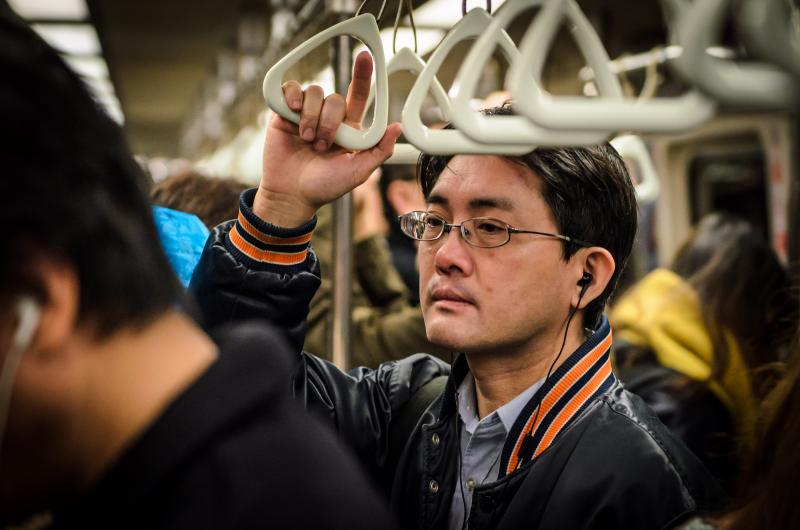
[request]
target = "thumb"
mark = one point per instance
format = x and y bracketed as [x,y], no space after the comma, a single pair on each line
[366,161]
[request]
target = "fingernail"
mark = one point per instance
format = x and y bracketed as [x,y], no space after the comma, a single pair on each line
[308,134]
[295,104]
[321,145]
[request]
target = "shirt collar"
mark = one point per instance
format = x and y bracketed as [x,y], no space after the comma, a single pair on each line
[508,413]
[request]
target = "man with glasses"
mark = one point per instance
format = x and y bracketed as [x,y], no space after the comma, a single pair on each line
[517,256]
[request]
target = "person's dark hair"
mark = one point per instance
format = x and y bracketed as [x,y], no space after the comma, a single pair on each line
[743,289]
[769,498]
[588,190]
[213,200]
[72,191]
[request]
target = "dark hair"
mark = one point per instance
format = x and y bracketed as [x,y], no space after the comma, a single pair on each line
[769,480]
[72,191]
[588,190]
[213,200]
[743,289]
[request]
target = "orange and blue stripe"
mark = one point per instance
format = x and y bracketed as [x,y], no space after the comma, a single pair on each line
[579,381]
[262,246]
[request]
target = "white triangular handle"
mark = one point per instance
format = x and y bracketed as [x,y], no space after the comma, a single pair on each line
[632,147]
[451,141]
[364,28]
[769,33]
[404,154]
[503,129]
[607,112]
[744,84]
[406,60]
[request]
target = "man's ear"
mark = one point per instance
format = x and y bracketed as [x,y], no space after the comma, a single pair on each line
[59,309]
[596,268]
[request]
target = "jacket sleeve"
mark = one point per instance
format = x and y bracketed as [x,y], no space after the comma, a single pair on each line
[250,269]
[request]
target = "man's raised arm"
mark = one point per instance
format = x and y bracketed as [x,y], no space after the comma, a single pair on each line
[302,170]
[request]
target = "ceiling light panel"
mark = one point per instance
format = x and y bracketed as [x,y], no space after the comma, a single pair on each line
[91,67]
[71,39]
[50,9]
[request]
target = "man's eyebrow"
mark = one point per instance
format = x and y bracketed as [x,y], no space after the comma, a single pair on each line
[491,202]
[437,199]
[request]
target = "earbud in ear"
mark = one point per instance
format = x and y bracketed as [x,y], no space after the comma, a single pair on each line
[29,315]
[585,281]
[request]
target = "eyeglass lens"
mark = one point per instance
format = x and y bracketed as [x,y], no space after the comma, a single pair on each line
[478,232]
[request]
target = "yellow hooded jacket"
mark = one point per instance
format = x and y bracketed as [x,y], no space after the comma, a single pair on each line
[662,312]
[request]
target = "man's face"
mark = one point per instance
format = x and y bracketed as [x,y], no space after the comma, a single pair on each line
[492,299]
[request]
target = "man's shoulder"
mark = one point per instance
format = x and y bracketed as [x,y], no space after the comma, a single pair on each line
[632,443]
[264,465]
[625,471]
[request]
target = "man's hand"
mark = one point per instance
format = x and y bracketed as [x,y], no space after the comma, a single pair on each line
[302,169]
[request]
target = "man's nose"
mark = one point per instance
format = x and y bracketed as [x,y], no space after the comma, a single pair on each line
[453,254]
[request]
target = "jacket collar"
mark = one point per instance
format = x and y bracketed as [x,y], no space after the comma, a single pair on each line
[581,378]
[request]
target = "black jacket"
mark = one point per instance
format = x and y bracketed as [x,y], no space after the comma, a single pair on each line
[691,411]
[612,464]
[232,452]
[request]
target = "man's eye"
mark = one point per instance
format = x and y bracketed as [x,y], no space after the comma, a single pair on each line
[488,227]
[433,222]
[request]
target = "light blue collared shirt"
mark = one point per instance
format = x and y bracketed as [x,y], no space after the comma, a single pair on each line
[482,443]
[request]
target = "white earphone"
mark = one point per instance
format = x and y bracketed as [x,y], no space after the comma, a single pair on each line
[28,314]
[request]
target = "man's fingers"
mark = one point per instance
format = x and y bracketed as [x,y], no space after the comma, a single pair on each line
[293,93]
[329,120]
[358,91]
[309,115]
[368,160]
[281,124]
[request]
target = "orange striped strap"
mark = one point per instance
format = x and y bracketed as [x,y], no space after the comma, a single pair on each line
[580,380]
[262,246]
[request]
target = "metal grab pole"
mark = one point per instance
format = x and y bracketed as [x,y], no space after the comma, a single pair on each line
[341,323]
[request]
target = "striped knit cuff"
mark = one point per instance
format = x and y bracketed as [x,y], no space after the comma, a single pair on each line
[262,246]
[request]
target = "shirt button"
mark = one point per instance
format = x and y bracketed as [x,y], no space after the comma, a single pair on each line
[471,484]
[433,486]
[435,440]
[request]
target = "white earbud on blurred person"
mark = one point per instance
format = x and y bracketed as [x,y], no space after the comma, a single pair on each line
[28,313]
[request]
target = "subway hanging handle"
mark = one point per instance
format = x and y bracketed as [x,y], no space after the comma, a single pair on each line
[364,28]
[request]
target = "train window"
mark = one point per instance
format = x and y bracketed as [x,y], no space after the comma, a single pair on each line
[733,182]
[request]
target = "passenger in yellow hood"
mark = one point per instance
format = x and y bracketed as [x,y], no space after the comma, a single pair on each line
[697,341]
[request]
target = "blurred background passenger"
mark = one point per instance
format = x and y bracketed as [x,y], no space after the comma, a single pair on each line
[212,199]
[121,412]
[401,194]
[768,489]
[697,341]
[185,207]
[387,324]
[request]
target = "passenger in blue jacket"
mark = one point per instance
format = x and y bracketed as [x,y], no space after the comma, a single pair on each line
[517,256]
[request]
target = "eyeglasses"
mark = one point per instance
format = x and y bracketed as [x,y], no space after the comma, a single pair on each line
[483,232]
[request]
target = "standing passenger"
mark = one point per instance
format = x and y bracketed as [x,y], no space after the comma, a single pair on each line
[517,257]
[123,413]
[696,341]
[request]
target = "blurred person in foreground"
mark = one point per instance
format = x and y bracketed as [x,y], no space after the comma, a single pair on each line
[121,412]
[517,256]
[697,340]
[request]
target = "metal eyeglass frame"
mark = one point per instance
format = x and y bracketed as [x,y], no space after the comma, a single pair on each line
[446,227]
